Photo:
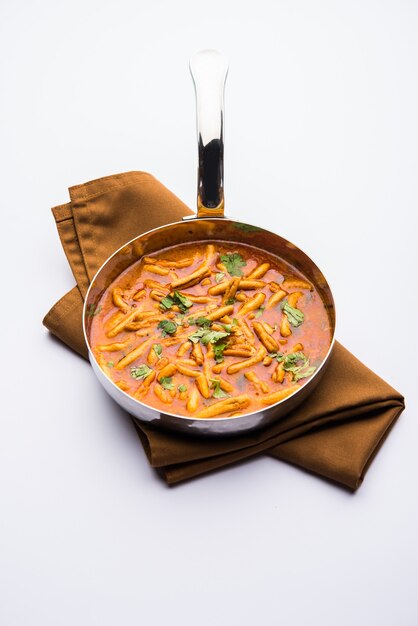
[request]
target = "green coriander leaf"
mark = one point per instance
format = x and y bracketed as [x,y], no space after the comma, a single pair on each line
[207,336]
[110,364]
[259,312]
[141,372]
[233,263]
[276,355]
[202,321]
[304,372]
[217,391]
[182,388]
[218,351]
[196,336]
[294,316]
[230,301]
[294,360]
[178,298]
[179,319]
[168,327]
[183,301]
[166,303]
[212,336]
[298,364]
[93,310]
[219,277]
[157,347]
[228,327]
[167,382]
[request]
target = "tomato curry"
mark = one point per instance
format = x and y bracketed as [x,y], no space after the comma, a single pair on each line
[210,330]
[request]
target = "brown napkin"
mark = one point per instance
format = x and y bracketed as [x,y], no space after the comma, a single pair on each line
[335,433]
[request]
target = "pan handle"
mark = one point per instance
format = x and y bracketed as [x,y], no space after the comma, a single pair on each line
[209,69]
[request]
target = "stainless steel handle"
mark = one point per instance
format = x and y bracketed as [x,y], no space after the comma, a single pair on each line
[209,70]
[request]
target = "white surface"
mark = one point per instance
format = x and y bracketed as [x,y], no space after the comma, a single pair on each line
[321,146]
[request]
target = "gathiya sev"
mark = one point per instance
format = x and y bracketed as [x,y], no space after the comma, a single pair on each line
[210,330]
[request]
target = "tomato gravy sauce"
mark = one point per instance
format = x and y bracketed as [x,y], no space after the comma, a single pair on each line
[208,330]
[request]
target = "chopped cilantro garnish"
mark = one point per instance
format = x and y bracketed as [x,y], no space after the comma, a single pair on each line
[217,391]
[213,336]
[259,312]
[219,277]
[218,351]
[179,319]
[296,363]
[207,336]
[168,327]
[202,321]
[182,388]
[166,303]
[295,316]
[141,372]
[228,327]
[110,364]
[197,335]
[303,372]
[291,360]
[157,347]
[178,298]
[167,382]
[233,263]
[182,301]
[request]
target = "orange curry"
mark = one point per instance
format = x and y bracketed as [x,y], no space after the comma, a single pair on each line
[210,330]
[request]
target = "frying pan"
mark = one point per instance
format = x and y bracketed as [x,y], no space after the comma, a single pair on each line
[209,70]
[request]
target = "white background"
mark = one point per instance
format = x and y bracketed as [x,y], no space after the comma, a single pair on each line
[321,146]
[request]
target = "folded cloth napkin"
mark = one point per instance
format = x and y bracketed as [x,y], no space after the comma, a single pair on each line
[335,433]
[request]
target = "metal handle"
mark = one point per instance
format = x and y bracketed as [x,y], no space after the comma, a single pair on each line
[209,69]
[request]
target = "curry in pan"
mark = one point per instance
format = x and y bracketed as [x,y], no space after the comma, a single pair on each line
[210,330]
